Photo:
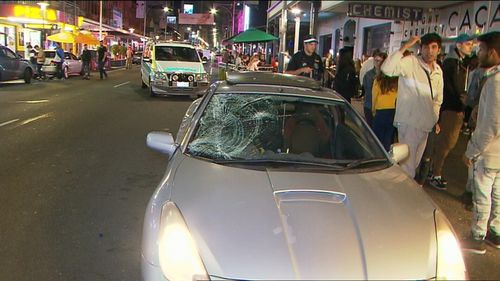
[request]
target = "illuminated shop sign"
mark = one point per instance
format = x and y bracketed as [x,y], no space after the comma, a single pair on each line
[384,12]
[34,13]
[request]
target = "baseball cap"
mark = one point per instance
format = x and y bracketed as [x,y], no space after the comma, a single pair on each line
[310,39]
[464,37]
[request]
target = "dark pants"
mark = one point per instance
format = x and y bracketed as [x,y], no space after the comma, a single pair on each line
[86,69]
[383,127]
[102,69]
[39,70]
[59,71]
[368,116]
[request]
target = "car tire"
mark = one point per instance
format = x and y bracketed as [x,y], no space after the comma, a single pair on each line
[151,92]
[28,74]
[66,73]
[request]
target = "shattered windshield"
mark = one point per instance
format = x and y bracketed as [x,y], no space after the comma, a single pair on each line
[262,127]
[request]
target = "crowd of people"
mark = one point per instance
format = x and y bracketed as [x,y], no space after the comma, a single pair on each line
[425,101]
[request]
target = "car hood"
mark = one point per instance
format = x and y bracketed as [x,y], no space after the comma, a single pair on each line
[251,224]
[180,66]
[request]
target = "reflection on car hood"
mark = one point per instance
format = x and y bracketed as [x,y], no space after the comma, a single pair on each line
[251,224]
[179,66]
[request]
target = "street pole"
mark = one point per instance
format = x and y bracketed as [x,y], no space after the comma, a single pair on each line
[100,20]
[297,34]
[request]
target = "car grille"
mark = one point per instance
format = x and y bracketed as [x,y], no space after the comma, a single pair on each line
[182,77]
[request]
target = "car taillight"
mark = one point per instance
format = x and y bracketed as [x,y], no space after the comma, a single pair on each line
[52,62]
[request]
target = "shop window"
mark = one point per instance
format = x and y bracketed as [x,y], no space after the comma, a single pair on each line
[377,37]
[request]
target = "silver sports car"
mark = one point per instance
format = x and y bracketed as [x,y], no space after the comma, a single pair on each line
[273,177]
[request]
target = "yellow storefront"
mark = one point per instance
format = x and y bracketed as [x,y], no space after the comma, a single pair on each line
[23,24]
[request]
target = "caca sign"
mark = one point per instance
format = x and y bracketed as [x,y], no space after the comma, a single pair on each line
[480,16]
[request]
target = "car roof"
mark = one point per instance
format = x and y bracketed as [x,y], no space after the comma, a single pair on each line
[267,82]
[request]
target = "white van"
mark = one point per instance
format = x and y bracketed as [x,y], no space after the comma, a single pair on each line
[173,69]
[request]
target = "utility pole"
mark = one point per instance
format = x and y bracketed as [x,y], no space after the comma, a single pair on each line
[100,20]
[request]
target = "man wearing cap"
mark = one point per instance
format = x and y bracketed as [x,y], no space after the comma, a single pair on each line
[455,76]
[306,62]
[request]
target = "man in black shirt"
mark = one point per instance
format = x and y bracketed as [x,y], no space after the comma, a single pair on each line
[86,60]
[306,62]
[101,60]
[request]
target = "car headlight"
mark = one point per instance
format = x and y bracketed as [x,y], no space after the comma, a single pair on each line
[450,263]
[175,77]
[160,75]
[202,77]
[178,254]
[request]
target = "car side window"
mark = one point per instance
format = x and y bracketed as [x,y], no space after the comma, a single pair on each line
[9,54]
[73,57]
[67,56]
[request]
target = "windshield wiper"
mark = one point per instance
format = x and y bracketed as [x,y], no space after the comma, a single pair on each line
[288,162]
[360,162]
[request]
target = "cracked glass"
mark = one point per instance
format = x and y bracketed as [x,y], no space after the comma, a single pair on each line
[271,126]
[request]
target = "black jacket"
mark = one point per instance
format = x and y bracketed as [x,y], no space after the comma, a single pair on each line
[455,76]
[346,81]
[86,56]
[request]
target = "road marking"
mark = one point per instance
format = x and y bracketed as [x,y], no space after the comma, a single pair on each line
[116,86]
[34,119]
[8,122]
[32,101]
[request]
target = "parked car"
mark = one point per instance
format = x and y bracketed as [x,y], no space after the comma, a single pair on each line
[71,66]
[14,67]
[272,177]
[136,58]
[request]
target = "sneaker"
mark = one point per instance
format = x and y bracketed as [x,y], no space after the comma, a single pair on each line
[474,246]
[466,131]
[492,239]
[438,183]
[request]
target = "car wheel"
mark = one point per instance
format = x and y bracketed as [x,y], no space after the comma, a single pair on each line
[27,75]
[151,92]
[144,86]
[66,73]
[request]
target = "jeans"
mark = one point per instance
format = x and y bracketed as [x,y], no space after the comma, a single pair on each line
[86,69]
[368,116]
[102,69]
[59,71]
[383,128]
[485,195]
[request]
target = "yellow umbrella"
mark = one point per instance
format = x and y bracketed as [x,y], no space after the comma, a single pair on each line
[62,37]
[86,38]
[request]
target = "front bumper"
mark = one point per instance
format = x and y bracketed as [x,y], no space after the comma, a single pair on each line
[171,88]
[151,272]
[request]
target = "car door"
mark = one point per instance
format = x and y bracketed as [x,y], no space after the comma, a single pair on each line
[68,62]
[10,64]
[76,63]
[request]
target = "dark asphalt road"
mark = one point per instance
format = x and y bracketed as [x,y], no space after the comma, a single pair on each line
[76,175]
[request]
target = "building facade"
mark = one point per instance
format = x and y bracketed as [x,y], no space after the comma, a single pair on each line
[368,25]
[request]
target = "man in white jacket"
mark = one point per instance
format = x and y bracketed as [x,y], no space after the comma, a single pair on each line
[420,94]
[483,151]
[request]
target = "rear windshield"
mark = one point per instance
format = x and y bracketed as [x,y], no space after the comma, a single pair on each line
[50,54]
[167,53]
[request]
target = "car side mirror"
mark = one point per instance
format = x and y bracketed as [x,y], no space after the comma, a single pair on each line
[161,141]
[399,152]
[146,60]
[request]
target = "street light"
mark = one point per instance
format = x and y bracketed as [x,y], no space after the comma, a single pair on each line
[214,11]
[166,10]
[296,11]
[43,8]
